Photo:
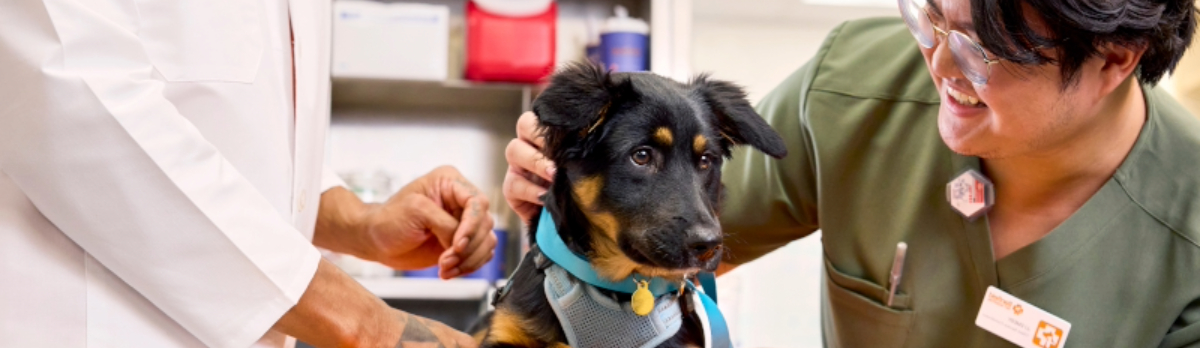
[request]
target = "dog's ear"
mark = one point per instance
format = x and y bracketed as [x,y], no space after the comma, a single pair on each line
[736,120]
[574,106]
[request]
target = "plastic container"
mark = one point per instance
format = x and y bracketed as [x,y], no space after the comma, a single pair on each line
[390,40]
[510,40]
[625,42]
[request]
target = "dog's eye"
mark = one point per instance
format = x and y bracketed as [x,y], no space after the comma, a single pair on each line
[705,162]
[640,157]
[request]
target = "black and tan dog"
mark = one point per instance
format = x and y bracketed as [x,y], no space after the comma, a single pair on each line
[638,187]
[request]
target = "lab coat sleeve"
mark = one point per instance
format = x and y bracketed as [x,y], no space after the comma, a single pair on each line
[88,136]
[330,179]
[769,202]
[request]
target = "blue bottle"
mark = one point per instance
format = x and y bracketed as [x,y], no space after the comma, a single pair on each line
[625,43]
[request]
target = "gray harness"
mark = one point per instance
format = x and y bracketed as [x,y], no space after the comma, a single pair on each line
[592,320]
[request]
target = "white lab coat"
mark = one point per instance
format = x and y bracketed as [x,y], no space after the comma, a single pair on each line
[151,193]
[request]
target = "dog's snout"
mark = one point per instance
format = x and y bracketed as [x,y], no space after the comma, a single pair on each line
[704,249]
[702,239]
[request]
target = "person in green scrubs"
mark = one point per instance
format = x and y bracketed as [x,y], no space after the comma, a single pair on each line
[1096,172]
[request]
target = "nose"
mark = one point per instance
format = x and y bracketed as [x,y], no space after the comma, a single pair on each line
[704,248]
[942,60]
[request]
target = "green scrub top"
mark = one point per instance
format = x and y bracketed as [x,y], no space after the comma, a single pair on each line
[866,166]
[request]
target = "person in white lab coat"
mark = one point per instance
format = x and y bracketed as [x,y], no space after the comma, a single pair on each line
[161,179]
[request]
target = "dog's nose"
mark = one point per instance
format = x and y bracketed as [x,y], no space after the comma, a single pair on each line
[704,249]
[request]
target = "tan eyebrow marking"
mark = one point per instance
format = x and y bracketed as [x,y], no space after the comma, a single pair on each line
[663,136]
[699,143]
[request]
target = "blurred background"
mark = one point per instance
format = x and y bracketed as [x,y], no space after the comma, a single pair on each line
[419,84]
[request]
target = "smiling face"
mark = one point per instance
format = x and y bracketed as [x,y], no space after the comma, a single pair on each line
[1021,111]
[639,160]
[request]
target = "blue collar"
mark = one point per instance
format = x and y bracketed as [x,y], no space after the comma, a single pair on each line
[551,244]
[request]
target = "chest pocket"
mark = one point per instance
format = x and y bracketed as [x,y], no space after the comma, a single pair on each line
[857,316]
[195,41]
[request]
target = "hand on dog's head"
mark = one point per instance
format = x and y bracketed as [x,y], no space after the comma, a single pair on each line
[639,182]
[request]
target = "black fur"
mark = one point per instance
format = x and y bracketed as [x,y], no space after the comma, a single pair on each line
[594,122]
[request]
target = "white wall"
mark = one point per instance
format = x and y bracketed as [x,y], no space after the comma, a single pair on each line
[774,301]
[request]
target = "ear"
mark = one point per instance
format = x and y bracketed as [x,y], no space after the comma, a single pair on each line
[1120,61]
[571,110]
[736,120]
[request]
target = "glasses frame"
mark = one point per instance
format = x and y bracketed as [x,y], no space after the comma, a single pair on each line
[946,34]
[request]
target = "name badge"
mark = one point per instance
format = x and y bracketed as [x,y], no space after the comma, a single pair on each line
[1020,322]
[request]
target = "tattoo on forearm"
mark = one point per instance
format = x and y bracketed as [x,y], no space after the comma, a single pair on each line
[418,335]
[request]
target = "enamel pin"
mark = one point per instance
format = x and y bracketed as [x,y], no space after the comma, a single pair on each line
[970,194]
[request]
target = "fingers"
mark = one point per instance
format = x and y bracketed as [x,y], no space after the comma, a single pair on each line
[529,171]
[521,154]
[519,191]
[424,256]
[454,189]
[474,223]
[526,150]
[478,236]
[480,254]
[473,231]
[433,217]
[527,130]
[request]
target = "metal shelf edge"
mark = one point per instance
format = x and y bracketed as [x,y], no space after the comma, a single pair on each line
[425,288]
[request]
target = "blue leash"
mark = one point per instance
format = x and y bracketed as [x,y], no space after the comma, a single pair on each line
[552,245]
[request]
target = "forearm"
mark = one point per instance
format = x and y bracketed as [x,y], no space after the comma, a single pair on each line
[335,311]
[340,222]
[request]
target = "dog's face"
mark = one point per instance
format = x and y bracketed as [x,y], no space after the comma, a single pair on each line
[639,157]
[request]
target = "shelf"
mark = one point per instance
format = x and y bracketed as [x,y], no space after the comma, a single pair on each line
[441,96]
[426,288]
[452,84]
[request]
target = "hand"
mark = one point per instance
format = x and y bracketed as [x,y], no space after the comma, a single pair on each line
[440,218]
[529,172]
[422,332]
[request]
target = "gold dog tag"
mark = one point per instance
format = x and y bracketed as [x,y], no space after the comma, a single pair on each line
[642,301]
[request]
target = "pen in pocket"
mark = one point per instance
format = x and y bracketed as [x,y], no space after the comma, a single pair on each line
[897,271]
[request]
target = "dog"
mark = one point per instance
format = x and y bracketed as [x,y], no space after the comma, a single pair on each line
[637,196]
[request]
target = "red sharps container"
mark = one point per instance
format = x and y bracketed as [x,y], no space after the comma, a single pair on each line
[510,40]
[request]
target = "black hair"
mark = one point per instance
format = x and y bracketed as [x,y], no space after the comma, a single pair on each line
[1079,28]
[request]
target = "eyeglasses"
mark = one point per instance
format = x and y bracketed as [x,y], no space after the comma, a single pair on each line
[967,53]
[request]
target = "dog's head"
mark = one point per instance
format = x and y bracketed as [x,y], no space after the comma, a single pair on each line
[638,187]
